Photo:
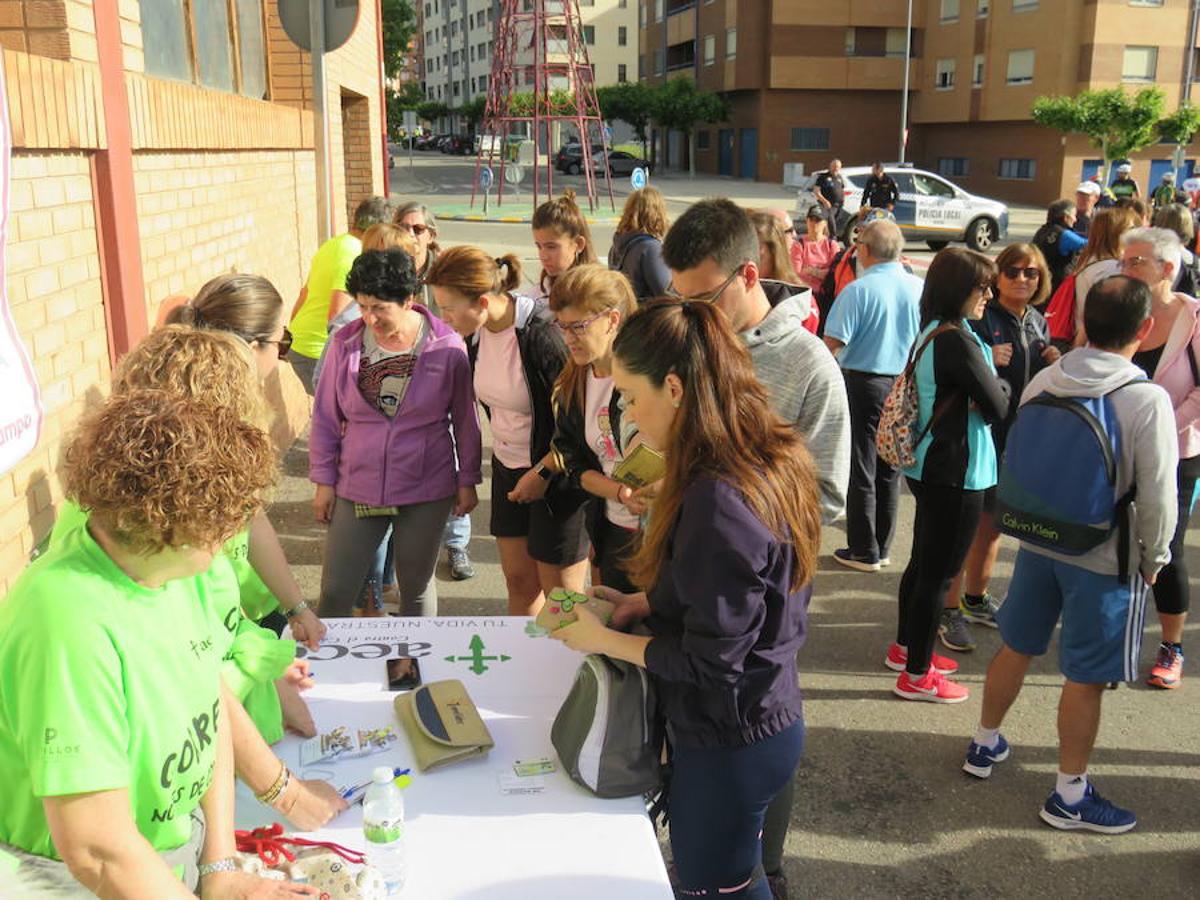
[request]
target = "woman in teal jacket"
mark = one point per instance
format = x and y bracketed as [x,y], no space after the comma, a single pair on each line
[960,396]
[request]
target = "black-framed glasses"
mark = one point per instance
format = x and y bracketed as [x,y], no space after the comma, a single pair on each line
[283,345]
[414,229]
[578,328]
[713,295]
[1031,273]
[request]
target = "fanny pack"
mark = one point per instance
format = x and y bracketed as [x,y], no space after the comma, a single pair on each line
[442,724]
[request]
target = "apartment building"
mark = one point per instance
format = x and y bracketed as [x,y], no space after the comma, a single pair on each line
[458,37]
[810,79]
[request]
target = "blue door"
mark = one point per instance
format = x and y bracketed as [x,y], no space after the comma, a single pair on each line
[1158,167]
[748,153]
[725,151]
[1090,168]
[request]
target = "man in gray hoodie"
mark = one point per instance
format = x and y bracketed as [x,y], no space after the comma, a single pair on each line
[1101,613]
[712,252]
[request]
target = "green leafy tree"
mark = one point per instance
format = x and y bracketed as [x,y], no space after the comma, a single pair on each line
[399,23]
[631,102]
[472,111]
[1117,123]
[432,110]
[1181,125]
[398,102]
[678,106]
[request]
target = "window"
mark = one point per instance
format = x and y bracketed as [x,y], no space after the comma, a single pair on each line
[710,49]
[730,43]
[949,11]
[1024,5]
[928,186]
[195,42]
[658,10]
[659,61]
[471,20]
[977,71]
[984,7]
[453,28]
[483,82]
[252,52]
[165,37]
[1020,67]
[851,36]
[1018,169]
[944,76]
[473,83]
[589,34]
[622,36]
[954,166]
[624,4]
[810,139]
[214,43]
[622,73]
[895,42]
[702,139]
[1145,2]
[472,54]
[428,10]
[1140,64]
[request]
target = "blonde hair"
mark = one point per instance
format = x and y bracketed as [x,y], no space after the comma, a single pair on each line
[473,273]
[563,216]
[589,288]
[247,305]
[389,237]
[1104,235]
[774,249]
[645,211]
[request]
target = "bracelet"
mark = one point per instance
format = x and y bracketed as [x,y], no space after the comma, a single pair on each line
[226,864]
[300,607]
[271,794]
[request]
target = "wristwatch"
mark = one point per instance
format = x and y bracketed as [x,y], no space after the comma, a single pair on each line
[300,607]
[544,472]
[228,864]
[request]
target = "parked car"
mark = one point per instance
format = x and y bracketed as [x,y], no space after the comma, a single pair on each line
[622,163]
[930,208]
[570,157]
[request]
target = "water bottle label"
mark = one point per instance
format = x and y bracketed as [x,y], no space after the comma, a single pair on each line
[383,832]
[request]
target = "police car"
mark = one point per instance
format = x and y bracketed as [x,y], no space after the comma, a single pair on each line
[930,209]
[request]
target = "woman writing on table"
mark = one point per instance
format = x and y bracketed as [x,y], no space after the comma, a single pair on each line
[727,565]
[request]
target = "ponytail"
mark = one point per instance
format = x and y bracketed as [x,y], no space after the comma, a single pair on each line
[473,273]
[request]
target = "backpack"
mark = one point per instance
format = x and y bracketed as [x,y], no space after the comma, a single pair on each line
[896,439]
[607,732]
[1069,509]
[1060,311]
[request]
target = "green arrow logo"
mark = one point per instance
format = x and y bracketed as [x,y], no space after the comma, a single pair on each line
[478,661]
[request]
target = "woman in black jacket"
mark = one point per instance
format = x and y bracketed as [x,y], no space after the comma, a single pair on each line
[516,356]
[637,245]
[590,302]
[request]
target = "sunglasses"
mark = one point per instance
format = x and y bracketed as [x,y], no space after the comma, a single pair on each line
[578,328]
[713,295]
[415,230]
[1031,273]
[284,344]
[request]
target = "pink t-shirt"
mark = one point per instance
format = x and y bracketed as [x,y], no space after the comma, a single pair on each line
[597,427]
[500,383]
[808,256]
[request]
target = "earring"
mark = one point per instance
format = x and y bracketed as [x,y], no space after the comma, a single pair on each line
[676,404]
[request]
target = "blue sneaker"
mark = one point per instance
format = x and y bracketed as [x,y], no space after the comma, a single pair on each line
[980,759]
[1092,813]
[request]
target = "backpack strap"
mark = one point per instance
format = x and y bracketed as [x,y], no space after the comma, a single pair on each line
[914,357]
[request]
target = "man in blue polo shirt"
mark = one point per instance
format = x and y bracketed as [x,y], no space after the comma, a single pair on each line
[870,329]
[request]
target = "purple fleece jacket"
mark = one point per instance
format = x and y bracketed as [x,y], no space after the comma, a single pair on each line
[412,457]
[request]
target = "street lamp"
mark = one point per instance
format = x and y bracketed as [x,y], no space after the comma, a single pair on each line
[904,96]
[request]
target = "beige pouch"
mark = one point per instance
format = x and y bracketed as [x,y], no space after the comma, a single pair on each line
[442,724]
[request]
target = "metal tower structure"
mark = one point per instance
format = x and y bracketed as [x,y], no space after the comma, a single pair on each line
[539,45]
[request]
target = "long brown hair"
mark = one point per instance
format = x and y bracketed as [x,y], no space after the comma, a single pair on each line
[592,289]
[247,305]
[563,216]
[644,211]
[725,430]
[774,249]
[1104,235]
[473,272]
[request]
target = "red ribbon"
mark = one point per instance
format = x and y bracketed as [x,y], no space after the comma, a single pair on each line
[272,847]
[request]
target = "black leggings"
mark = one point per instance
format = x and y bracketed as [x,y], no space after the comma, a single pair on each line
[942,533]
[1171,595]
[719,796]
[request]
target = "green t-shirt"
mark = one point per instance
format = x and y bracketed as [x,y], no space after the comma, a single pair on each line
[257,599]
[328,273]
[106,684]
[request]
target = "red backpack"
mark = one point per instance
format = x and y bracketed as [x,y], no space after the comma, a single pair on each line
[1060,311]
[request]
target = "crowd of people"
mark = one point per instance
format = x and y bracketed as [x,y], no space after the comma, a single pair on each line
[761,364]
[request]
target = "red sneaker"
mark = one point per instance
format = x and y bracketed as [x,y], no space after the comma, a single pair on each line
[934,687]
[897,659]
[1168,668]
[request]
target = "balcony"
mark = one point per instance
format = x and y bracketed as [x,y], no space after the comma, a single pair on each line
[678,6]
[681,56]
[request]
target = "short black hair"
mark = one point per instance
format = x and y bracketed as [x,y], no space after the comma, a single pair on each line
[1114,310]
[951,277]
[373,211]
[716,229]
[387,275]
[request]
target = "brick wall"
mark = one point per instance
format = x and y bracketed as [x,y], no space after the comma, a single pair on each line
[54,291]
[356,150]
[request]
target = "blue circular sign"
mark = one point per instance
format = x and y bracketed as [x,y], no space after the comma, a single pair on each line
[638,178]
[485,177]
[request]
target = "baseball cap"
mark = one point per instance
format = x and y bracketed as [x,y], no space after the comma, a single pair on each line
[1124,168]
[1088,187]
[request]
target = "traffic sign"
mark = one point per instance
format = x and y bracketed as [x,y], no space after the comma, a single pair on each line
[638,178]
[485,178]
[410,120]
[513,173]
[341,16]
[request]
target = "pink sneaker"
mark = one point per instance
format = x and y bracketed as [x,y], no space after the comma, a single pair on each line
[897,659]
[934,687]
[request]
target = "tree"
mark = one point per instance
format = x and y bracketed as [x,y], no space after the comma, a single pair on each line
[678,106]
[631,102]
[473,111]
[399,23]
[1117,123]
[1180,126]
[408,97]
[432,110]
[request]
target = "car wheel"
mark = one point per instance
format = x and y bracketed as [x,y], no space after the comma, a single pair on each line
[935,246]
[574,169]
[981,235]
[850,232]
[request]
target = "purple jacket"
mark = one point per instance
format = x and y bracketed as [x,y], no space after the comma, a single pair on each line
[410,458]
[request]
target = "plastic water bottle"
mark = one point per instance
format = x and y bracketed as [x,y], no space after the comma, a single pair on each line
[383,827]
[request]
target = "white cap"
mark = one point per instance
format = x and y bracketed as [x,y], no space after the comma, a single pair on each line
[1124,168]
[1168,176]
[1088,187]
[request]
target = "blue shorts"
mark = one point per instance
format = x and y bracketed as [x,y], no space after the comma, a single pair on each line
[1102,617]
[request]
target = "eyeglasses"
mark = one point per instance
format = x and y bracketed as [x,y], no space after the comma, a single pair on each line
[578,329]
[1031,273]
[1133,262]
[414,230]
[711,296]
[284,344]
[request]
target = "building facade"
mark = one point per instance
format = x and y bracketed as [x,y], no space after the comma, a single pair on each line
[150,155]
[809,79]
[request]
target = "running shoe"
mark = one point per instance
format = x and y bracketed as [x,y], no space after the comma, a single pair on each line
[934,687]
[980,759]
[1092,813]
[983,613]
[954,632]
[460,564]
[897,659]
[847,559]
[1168,668]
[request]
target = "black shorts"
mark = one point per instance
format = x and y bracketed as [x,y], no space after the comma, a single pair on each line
[989,500]
[556,533]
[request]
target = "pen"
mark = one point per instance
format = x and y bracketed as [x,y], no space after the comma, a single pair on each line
[347,793]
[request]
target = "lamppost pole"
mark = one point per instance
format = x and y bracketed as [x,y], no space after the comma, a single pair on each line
[904,96]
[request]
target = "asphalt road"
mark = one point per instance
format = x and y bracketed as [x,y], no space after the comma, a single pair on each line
[882,808]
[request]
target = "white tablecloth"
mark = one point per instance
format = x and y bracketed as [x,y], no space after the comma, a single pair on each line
[465,838]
